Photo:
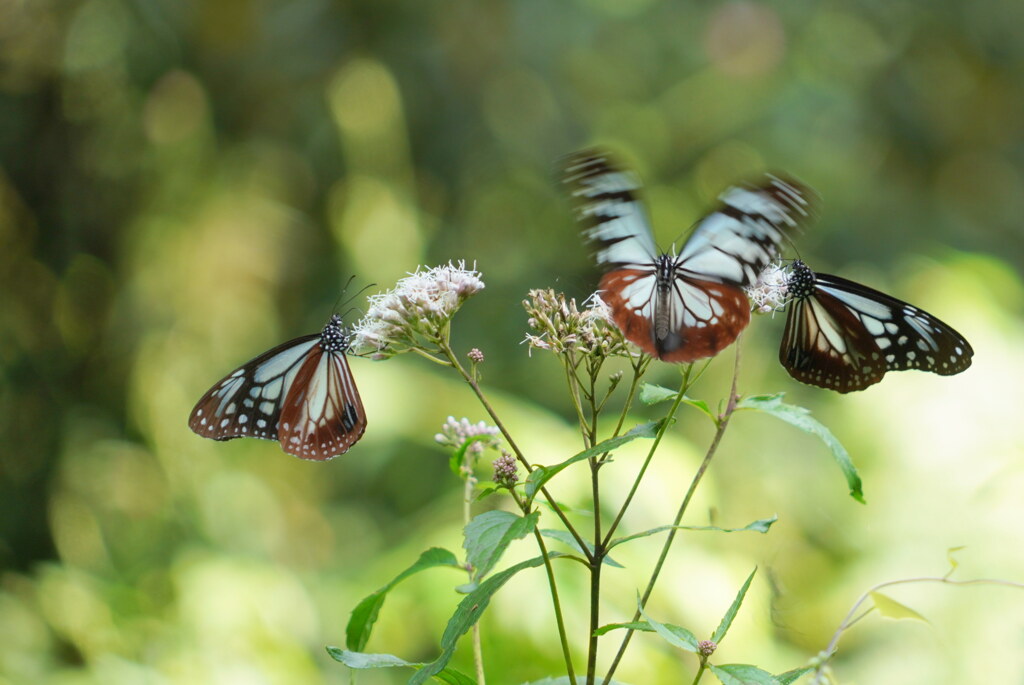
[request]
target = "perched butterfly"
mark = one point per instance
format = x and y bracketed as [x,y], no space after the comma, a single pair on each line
[844,336]
[300,393]
[686,306]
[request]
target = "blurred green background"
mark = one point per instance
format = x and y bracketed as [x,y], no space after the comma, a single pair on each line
[184,185]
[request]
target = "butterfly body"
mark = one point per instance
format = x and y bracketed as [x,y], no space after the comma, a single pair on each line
[845,336]
[300,393]
[689,305]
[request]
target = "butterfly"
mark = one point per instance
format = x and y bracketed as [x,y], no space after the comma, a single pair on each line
[300,393]
[844,336]
[686,306]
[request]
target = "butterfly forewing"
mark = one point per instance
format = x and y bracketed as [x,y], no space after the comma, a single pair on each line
[247,402]
[608,209]
[736,241]
[908,337]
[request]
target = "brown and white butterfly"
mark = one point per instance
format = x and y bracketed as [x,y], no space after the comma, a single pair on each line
[845,336]
[300,393]
[686,306]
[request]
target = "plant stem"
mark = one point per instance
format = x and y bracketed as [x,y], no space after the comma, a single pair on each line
[467,515]
[448,352]
[666,422]
[475,387]
[700,672]
[723,423]
[562,636]
[851,619]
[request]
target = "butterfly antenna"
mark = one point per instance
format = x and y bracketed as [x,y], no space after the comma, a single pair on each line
[340,303]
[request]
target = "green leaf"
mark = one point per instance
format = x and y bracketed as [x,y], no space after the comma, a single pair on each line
[792,676]
[759,526]
[727,620]
[674,635]
[360,623]
[636,625]
[565,538]
[489,534]
[467,614]
[953,563]
[654,394]
[743,674]
[890,608]
[801,418]
[542,474]
[360,660]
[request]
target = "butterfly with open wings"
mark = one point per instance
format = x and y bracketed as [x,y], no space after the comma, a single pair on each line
[300,393]
[686,306]
[844,336]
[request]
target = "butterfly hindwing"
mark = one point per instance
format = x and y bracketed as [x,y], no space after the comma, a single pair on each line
[322,415]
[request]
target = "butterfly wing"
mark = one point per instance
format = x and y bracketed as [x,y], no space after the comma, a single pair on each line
[322,415]
[248,401]
[610,212]
[735,242]
[908,337]
[845,336]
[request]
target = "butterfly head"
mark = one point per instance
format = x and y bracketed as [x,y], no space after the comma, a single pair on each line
[801,281]
[334,337]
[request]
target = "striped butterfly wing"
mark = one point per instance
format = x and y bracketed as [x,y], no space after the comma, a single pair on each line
[301,389]
[845,336]
[607,208]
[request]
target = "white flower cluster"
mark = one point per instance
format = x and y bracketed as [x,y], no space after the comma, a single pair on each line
[563,327]
[420,304]
[455,433]
[771,291]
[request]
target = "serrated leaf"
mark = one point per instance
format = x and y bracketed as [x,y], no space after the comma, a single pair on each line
[654,394]
[730,615]
[469,611]
[360,660]
[759,526]
[542,474]
[360,623]
[743,674]
[674,635]
[890,608]
[566,539]
[800,417]
[488,535]
[792,676]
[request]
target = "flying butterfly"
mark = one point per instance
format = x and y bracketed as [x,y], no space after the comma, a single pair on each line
[844,336]
[686,306]
[300,393]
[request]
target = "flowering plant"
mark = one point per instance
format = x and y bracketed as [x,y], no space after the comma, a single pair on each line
[416,317]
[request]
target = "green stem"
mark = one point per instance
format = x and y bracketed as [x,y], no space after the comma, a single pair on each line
[467,515]
[475,387]
[550,571]
[700,672]
[666,422]
[723,423]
